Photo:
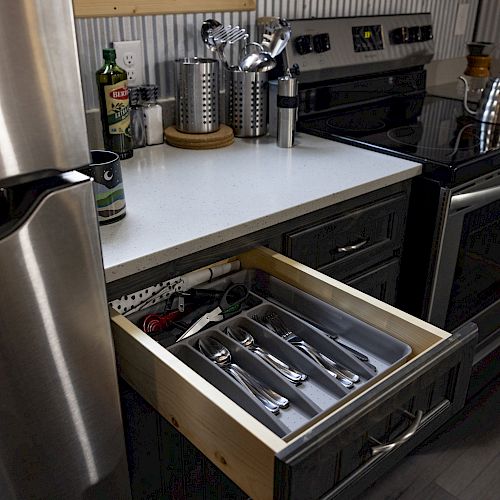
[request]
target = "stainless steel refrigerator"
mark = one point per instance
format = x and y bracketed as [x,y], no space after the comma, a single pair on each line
[61,434]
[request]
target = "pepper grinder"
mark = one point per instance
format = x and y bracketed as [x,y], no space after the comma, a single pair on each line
[287,103]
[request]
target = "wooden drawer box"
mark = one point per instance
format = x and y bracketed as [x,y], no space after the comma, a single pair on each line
[321,458]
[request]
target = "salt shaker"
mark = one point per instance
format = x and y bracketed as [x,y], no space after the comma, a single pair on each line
[153,116]
[137,127]
[287,103]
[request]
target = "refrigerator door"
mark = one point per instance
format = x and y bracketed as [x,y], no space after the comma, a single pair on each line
[42,119]
[61,433]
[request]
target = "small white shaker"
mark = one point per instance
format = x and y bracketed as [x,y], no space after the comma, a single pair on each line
[287,103]
[153,115]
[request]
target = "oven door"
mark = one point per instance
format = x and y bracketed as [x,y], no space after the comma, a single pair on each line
[467,279]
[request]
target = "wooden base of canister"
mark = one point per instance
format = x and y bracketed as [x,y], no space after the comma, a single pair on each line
[220,139]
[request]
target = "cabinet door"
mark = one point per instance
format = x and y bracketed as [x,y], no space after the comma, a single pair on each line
[380,282]
[366,236]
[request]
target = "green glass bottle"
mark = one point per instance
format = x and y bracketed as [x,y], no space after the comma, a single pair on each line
[112,84]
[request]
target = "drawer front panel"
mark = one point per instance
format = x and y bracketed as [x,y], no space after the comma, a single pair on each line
[333,455]
[372,233]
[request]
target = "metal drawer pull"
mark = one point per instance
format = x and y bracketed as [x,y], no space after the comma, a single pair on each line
[408,434]
[350,248]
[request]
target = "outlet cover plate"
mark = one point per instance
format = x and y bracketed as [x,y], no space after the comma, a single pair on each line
[130,57]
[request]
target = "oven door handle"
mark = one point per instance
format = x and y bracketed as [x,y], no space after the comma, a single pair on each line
[474,199]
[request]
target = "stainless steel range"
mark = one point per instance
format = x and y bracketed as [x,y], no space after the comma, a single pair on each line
[362,82]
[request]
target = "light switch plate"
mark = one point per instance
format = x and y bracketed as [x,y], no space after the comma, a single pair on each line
[130,57]
[462,19]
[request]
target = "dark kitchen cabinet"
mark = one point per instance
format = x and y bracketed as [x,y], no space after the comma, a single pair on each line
[360,246]
[191,441]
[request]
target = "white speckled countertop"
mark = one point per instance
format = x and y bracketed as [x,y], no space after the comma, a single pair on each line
[182,201]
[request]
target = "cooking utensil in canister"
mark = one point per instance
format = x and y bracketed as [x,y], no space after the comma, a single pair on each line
[253,57]
[216,36]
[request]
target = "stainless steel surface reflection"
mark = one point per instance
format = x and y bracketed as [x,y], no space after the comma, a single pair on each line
[42,120]
[489,137]
[61,434]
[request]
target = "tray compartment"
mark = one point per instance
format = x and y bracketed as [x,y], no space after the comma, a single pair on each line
[228,385]
[301,409]
[383,350]
[319,387]
[318,340]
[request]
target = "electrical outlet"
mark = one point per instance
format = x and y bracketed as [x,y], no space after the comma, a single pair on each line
[129,56]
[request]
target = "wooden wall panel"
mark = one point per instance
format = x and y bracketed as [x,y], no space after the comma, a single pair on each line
[103,8]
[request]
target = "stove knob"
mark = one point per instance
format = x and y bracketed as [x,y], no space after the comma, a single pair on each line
[426,32]
[321,42]
[415,34]
[295,70]
[399,35]
[303,44]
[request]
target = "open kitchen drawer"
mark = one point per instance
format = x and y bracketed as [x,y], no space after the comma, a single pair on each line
[338,453]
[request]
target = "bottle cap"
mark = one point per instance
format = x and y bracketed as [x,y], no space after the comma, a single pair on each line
[109,53]
[134,95]
[149,92]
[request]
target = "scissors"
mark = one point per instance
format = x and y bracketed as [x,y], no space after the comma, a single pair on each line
[229,303]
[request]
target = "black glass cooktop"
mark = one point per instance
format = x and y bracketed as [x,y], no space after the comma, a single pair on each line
[435,131]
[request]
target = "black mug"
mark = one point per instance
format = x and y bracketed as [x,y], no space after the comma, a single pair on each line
[106,171]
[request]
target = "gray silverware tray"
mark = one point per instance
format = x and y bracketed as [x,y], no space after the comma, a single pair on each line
[320,391]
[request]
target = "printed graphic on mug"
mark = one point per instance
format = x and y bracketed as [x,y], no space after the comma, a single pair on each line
[108,185]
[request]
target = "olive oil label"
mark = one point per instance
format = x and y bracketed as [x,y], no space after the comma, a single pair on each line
[117,108]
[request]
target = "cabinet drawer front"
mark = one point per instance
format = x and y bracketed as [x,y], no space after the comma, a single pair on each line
[340,455]
[238,444]
[372,232]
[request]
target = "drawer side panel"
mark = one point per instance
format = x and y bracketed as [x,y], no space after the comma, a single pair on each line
[233,440]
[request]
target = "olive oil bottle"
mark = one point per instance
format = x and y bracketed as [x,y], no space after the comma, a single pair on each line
[112,84]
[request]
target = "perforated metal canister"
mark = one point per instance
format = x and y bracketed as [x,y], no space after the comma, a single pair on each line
[197,95]
[248,94]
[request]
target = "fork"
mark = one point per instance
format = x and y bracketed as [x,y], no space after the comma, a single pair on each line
[273,322]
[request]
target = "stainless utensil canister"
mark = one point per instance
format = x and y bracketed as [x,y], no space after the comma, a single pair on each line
[197,95]
[248,103]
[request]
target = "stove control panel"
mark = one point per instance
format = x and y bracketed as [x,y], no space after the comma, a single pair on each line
[329,48]
[411,34]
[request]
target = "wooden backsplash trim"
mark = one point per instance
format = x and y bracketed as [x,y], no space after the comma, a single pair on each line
[105,8]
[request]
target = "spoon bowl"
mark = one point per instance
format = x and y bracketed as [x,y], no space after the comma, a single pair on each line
[245,339]
[221,355]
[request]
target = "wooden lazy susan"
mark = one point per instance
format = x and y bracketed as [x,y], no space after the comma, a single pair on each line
[220,139]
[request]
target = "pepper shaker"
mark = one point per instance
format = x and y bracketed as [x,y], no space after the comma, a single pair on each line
[153,115]
[287,103]
[137,127]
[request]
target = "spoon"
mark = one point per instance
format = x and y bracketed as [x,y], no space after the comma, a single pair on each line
[220,355]
[257,60]
[245,338]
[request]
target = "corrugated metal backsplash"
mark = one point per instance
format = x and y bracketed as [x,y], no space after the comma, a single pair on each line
[169,37]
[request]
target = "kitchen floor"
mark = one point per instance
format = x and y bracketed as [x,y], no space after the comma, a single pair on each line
[461,461]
